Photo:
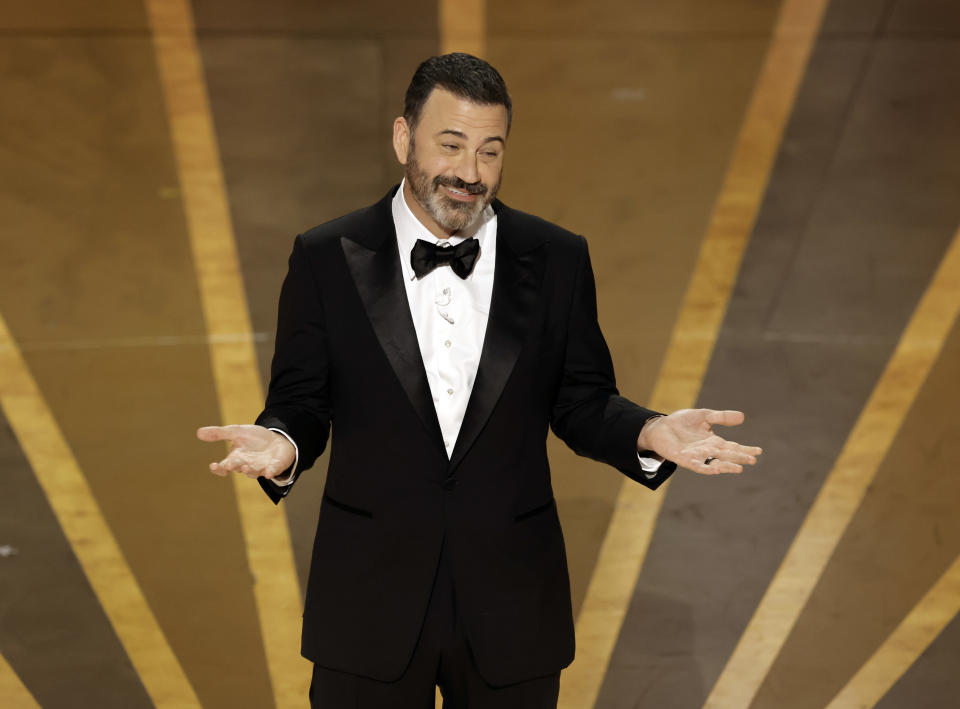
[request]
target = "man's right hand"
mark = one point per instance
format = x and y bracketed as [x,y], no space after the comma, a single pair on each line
[255,451]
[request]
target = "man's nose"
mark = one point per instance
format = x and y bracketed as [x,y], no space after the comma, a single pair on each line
[467,169]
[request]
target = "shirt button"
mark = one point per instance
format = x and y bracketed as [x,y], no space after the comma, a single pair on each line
[447,343]
[446,291]
[450,391]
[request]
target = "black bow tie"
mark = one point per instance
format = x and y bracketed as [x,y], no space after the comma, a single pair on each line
[461,258]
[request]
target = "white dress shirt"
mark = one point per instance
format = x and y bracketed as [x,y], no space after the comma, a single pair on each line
[449,313]
[450,317]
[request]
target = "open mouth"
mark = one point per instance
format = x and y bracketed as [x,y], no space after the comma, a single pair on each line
[460,195]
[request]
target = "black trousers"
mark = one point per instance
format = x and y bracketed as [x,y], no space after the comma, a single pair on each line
[442,658]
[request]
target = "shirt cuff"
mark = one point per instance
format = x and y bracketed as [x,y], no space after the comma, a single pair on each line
[288,478]
[649,464]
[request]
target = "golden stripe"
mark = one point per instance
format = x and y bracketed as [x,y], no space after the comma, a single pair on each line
[239,391]
[463,26]
[12,692]
[911,638]
[692,340]
[841,494]
[92,542]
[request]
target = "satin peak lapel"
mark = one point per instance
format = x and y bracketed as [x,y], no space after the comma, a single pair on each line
[516,284]
[377,276]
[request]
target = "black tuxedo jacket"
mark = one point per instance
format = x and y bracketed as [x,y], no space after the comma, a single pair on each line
[347,356]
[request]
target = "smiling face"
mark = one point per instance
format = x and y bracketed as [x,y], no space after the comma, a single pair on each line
[453,160]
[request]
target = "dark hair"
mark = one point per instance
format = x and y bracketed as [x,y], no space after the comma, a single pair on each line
[461,74]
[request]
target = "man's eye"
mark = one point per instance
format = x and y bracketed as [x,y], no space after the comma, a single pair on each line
[450,146]
[489,154]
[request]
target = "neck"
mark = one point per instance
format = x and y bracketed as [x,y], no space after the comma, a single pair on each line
[423,216]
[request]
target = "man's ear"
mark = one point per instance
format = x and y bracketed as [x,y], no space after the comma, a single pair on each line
[401,139]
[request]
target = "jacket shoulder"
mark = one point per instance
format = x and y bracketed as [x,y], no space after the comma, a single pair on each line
[369,226]
[530,231]
[322,235]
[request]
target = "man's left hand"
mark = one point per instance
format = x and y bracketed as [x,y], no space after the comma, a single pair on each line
[686,438]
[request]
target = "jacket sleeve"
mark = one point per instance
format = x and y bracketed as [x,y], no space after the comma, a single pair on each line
[589,414]
[298,399]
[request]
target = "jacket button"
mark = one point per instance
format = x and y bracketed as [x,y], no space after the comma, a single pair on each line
[449,484]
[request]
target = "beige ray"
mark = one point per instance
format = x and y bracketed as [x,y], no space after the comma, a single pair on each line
[13,694]
[906,643]
[463,26]
[841,494]
[692,340]
[89,535]
[233,359]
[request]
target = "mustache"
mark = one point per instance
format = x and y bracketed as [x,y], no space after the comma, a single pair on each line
[458,184]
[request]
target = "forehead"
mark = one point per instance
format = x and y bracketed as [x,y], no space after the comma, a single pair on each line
[444,110]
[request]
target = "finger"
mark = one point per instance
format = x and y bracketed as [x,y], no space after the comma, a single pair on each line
[219,433]
[735,456]
[738,453]
[750,450]
[725,453]
[716,466]
[708,461]
[739,448]
[212,433]
[234,461]
[223,433]
[243,462]
[725,418]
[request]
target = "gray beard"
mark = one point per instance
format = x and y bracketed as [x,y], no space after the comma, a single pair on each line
[448,213]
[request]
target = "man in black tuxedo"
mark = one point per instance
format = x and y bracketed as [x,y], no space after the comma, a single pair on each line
[440,333]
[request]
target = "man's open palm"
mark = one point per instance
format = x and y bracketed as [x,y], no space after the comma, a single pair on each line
[255,451]
[686,437]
